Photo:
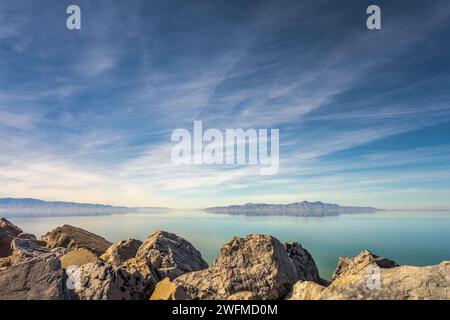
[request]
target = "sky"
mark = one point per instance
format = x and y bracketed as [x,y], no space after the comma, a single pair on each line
[364,115]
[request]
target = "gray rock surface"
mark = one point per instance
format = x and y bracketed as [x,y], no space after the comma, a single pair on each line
[100,281]
[303,262]
[10,228]
[258,263]
[36,278]
[171,255]
[71,237]
[8,232]
[121,251]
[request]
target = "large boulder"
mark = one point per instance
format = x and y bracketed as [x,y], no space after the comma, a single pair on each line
[258,264]
[171,255]
[303,261]
[71,237]
[148,273]
[37,278]
[8,232]
[121,251]
[100,281]
[368,277]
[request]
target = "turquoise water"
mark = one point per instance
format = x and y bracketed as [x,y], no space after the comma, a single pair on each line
[413,238]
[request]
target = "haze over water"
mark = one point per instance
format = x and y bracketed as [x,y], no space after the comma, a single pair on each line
[413,238]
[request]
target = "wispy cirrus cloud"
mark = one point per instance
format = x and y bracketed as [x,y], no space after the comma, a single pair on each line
[87,116]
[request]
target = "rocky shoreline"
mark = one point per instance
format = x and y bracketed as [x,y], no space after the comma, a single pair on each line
[70,263]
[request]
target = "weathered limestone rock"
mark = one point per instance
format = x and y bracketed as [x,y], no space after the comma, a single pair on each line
[121,251]
[347,266]
[171,255]
[71,237]
[258,263]
[368,277]
[303,261]
[142,267]
[99,281]
[38,278]
[23,249]
[8,232]
[8,227]
[244,295]
[77,257]
[306,290]
[168,290]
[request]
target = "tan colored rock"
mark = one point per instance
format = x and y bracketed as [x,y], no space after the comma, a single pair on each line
[145,270]
[5,262]
[78,257]
[258,263]
[171,255]
[121,251]
[71,237]
[354,265]
[168,290]
[306,290]
[243,295]
[368,277]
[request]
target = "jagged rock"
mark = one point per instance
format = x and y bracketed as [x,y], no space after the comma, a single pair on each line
[23,249]
[168,290]
[10,228]
[368,277]
[306,290]
[71,237]
[146,270]
[121,251]
[171,255]
[8,232]
[38,278]
[78,257]
[303,261]
[258,263]
[347,266]
[100,281]
[244,295]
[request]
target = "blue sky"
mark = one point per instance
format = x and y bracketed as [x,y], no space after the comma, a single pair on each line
[364,116]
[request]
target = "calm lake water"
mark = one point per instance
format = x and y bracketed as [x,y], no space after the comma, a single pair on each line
[413,238]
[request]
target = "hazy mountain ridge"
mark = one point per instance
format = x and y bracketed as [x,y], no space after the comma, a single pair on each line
[301,209]
[36,207]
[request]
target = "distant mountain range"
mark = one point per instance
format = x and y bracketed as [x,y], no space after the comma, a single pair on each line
[301,209]
[33,207]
